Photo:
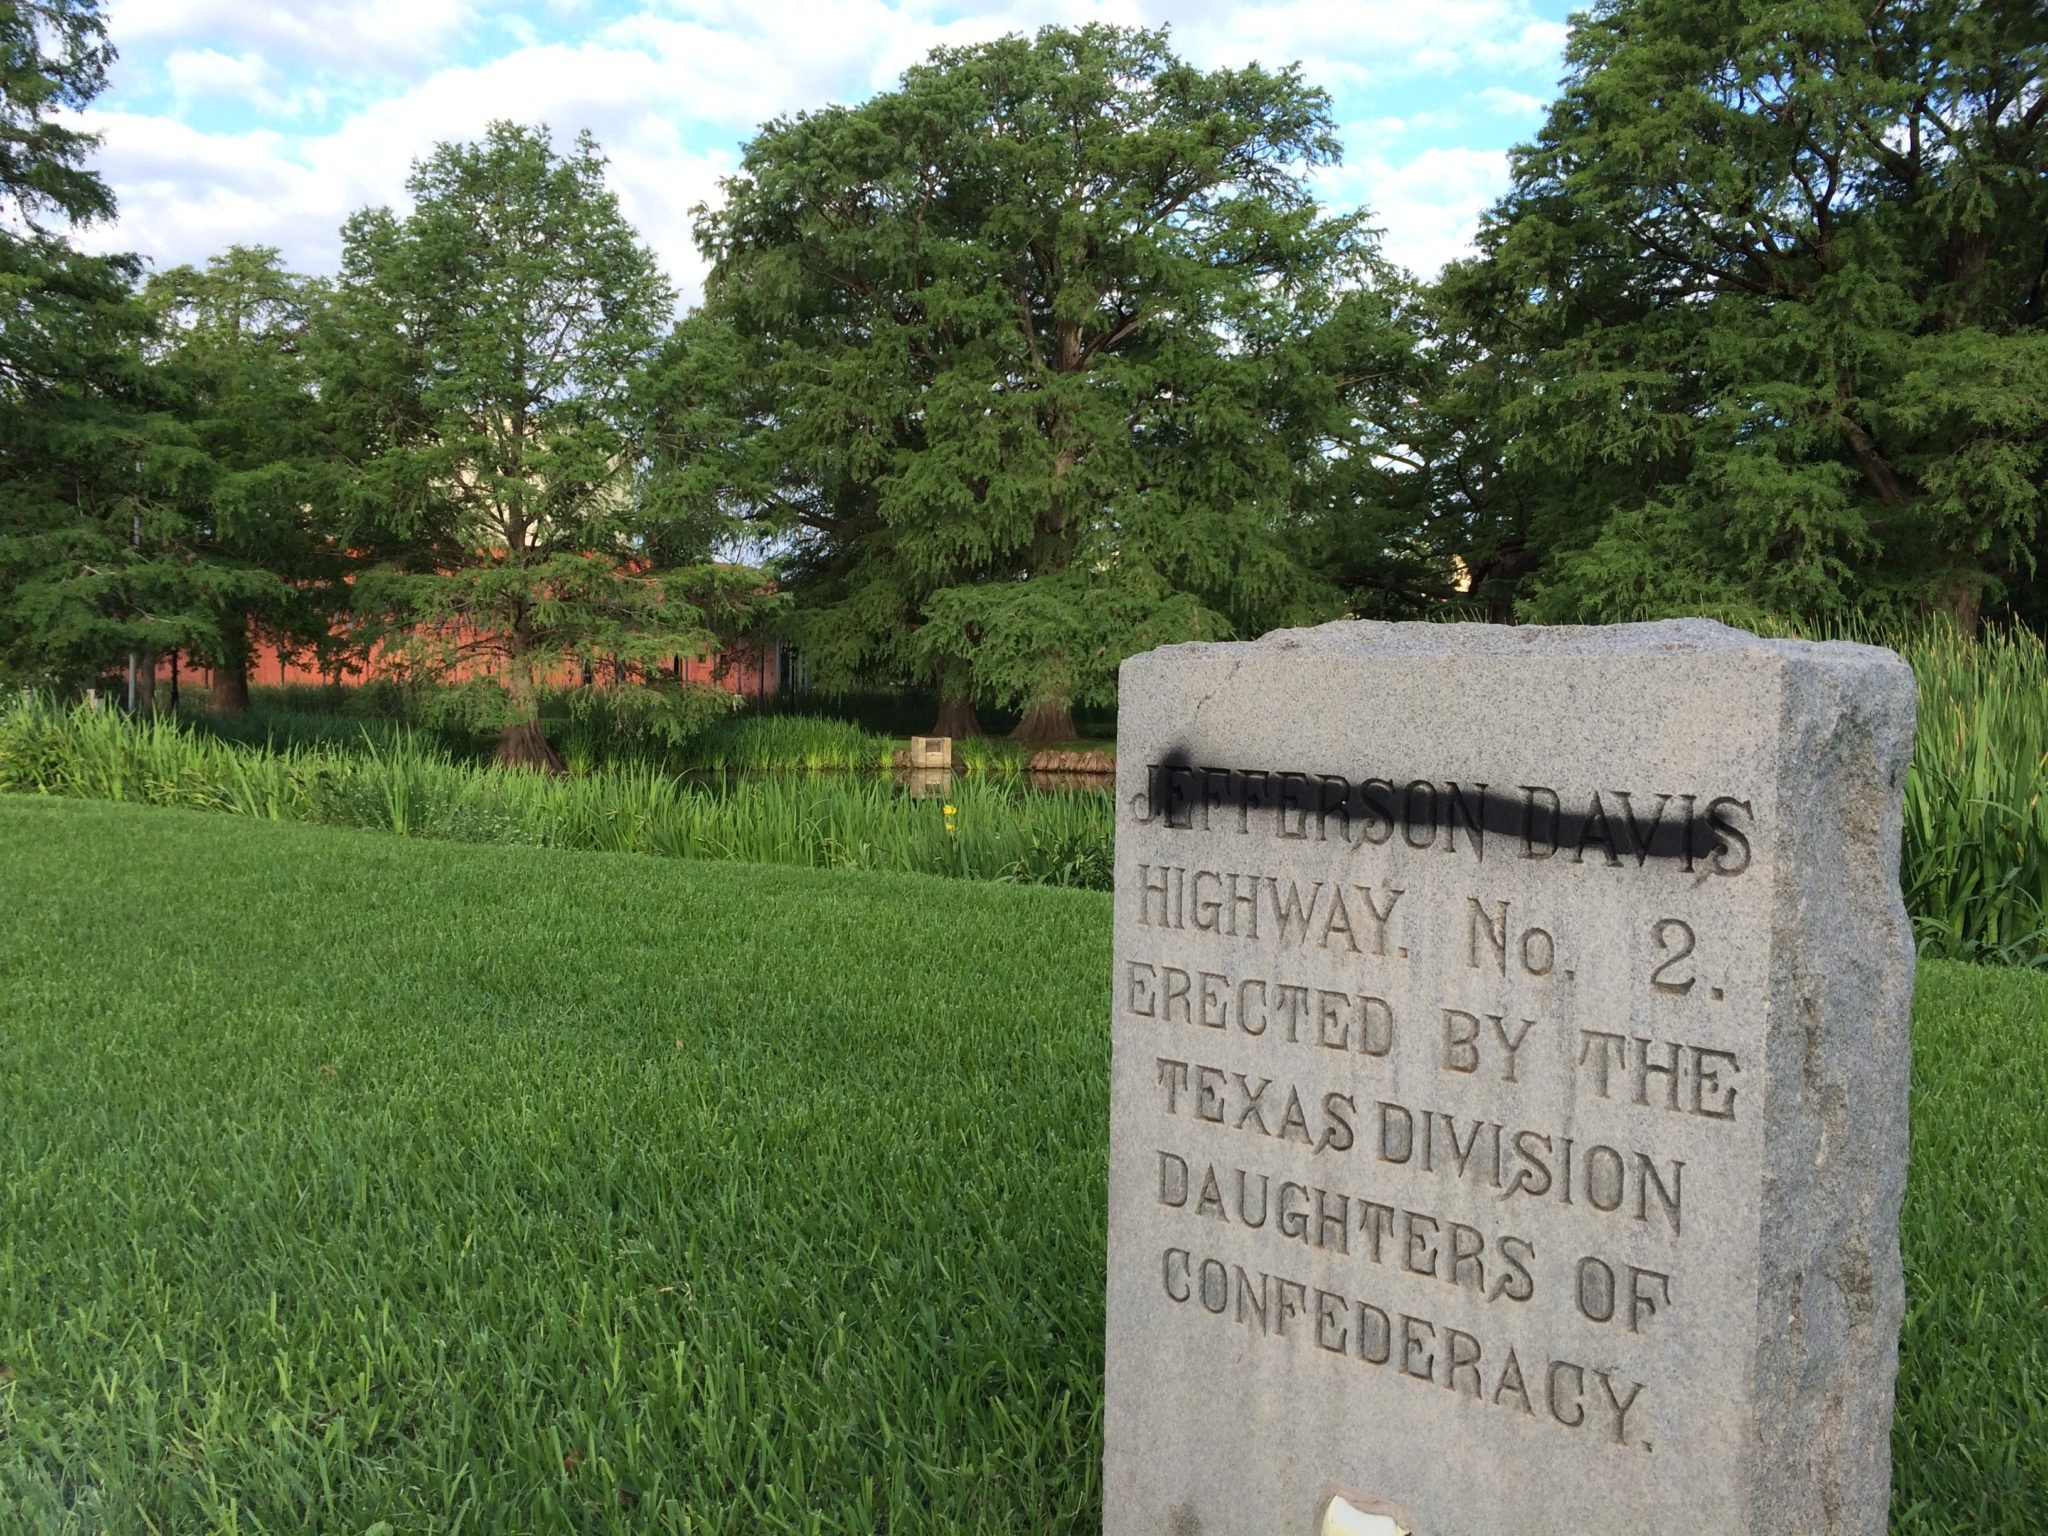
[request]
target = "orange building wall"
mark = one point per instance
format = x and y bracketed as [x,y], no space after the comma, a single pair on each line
[750,671]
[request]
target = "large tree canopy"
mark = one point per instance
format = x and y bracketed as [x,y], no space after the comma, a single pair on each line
[233,337]
[1049,355]
[480,356]
[53,56]
[1766,312]
[98,469]
[1015,358]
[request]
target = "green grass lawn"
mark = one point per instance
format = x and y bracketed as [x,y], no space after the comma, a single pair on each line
[357,1183]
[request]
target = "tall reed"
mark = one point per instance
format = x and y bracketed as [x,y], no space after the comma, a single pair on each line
[762,743]
[993,830]
[1975,864]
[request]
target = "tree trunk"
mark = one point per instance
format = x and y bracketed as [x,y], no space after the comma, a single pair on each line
[956,702]
[1962,597]
[230,692]
[1044,723]
[1496,582]
[145,684]
[1877,469]
[956,717]
[523,744]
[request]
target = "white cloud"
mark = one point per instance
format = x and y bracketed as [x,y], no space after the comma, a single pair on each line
[1359,138]
[1341,42]
[672,89]
[1503,102]
[200,75]
[1428,205]
[738,66]
[186,194]
[388,33]
[208,71]
[785,56]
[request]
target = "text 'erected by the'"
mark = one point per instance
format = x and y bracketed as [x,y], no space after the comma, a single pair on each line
[1482,1130]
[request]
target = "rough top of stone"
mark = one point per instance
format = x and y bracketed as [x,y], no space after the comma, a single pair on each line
[1677,637]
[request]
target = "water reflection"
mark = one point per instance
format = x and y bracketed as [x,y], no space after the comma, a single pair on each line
[1083,783]
[926,783]
[916,783]
[936,783]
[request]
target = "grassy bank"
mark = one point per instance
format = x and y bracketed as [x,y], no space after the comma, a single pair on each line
[1975,856]
[808,743]
[354,1180]
[995,829]
[891,715]
[595,740]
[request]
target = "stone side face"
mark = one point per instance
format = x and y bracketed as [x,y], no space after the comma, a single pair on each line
[1508,1082]
[1832,1296]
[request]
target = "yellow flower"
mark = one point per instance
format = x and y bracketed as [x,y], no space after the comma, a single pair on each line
[949,810]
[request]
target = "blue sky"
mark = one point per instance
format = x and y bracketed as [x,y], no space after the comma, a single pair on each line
[269,121]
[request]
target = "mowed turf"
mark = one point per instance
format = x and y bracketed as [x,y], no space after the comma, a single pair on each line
[355,1183]
[351,1178]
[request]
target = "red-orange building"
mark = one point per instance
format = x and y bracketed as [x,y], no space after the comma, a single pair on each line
[755,671]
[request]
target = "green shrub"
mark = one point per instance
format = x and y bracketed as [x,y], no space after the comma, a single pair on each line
[761,743]
[609,726]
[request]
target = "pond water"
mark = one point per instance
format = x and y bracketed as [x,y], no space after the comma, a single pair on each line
[925,783]
[910,783]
